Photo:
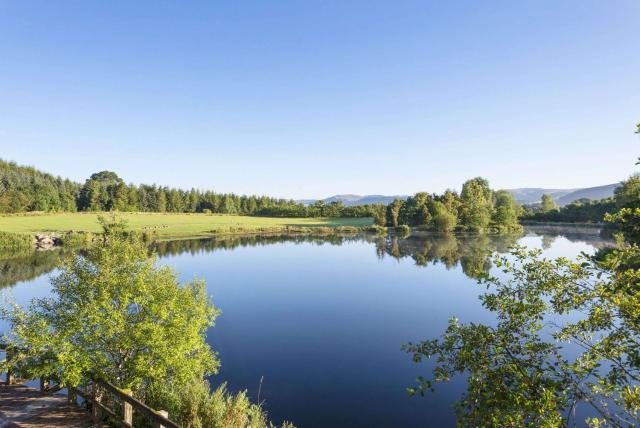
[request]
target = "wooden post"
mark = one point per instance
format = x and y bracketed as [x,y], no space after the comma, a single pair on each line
[71,396]
[11,378]
[96,411]
[44,384]
[163,413]
[127,409]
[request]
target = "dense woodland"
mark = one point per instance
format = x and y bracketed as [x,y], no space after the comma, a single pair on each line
[24,189]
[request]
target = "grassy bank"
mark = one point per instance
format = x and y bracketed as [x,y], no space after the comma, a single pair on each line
[170,225]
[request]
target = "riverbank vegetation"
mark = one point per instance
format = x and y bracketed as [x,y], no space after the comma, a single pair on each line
[114,315]
[477,208]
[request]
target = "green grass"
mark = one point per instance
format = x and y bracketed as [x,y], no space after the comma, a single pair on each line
[167,225]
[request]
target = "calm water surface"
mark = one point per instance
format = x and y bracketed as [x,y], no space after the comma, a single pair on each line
[321,321]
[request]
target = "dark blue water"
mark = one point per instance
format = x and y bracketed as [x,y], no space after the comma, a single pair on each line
[322,323]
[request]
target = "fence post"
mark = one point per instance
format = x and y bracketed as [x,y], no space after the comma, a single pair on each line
[162,413]
[96,411]
[71,395]
[127,408]
[10,375]
[44,384]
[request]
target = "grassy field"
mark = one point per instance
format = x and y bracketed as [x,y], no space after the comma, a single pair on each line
[166,224]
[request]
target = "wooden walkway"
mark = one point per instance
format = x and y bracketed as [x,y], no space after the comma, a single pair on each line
[25,407]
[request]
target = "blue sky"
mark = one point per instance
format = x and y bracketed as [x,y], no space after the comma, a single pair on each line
[311,98]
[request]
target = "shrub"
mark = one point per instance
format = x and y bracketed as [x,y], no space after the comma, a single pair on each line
[378,230]
[15,244]
[403,230]
[195,405]
[206,211]
[347,229]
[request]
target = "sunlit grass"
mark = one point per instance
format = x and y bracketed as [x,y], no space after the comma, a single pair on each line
[164,224]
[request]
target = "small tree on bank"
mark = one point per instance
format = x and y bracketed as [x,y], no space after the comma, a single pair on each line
[116,316]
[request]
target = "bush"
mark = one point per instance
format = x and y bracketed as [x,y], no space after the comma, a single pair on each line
[347,229]
[15,244]
[196,406]
[403,230]
[78,239]
[206,211]
[378,230]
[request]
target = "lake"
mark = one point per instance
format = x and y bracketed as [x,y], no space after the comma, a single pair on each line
[314,326]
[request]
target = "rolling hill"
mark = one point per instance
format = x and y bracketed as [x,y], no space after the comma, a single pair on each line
[525,195]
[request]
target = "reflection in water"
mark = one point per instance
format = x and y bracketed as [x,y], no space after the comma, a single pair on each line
[29,267]
[472,252]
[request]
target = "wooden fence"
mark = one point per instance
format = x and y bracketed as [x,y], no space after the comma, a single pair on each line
[95,396]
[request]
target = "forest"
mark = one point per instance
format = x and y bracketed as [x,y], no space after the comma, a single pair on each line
[25,189]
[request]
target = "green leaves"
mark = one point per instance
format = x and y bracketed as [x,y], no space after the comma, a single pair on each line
[519,373]
[114,314]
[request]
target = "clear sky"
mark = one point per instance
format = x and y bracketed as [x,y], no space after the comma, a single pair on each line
[311,98]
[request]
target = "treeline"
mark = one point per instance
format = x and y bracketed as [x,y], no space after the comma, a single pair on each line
[25,189]
[105,191]
[477,208]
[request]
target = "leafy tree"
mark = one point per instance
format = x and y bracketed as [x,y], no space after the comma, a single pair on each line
[415,211]
[114,315]
[379,212]
[547,204]
[477,204]
[628,194]
[393,212]
[162,201]
[443,219]
[507,210]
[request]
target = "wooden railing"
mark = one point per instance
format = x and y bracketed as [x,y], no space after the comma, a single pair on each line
[159,418]
[94,397]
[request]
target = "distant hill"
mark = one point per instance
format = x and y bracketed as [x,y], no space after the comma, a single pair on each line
[532,195]
[352,200]
[593,193]
[525,195]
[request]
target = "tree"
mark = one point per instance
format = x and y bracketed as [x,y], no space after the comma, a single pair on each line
[379,212]
[547,204]
[477,204]
[228,205]
[393,212]
[415,211]
[162,201]
[443,220]
[506,212]
[628,194]
[103,191]
[115,315]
